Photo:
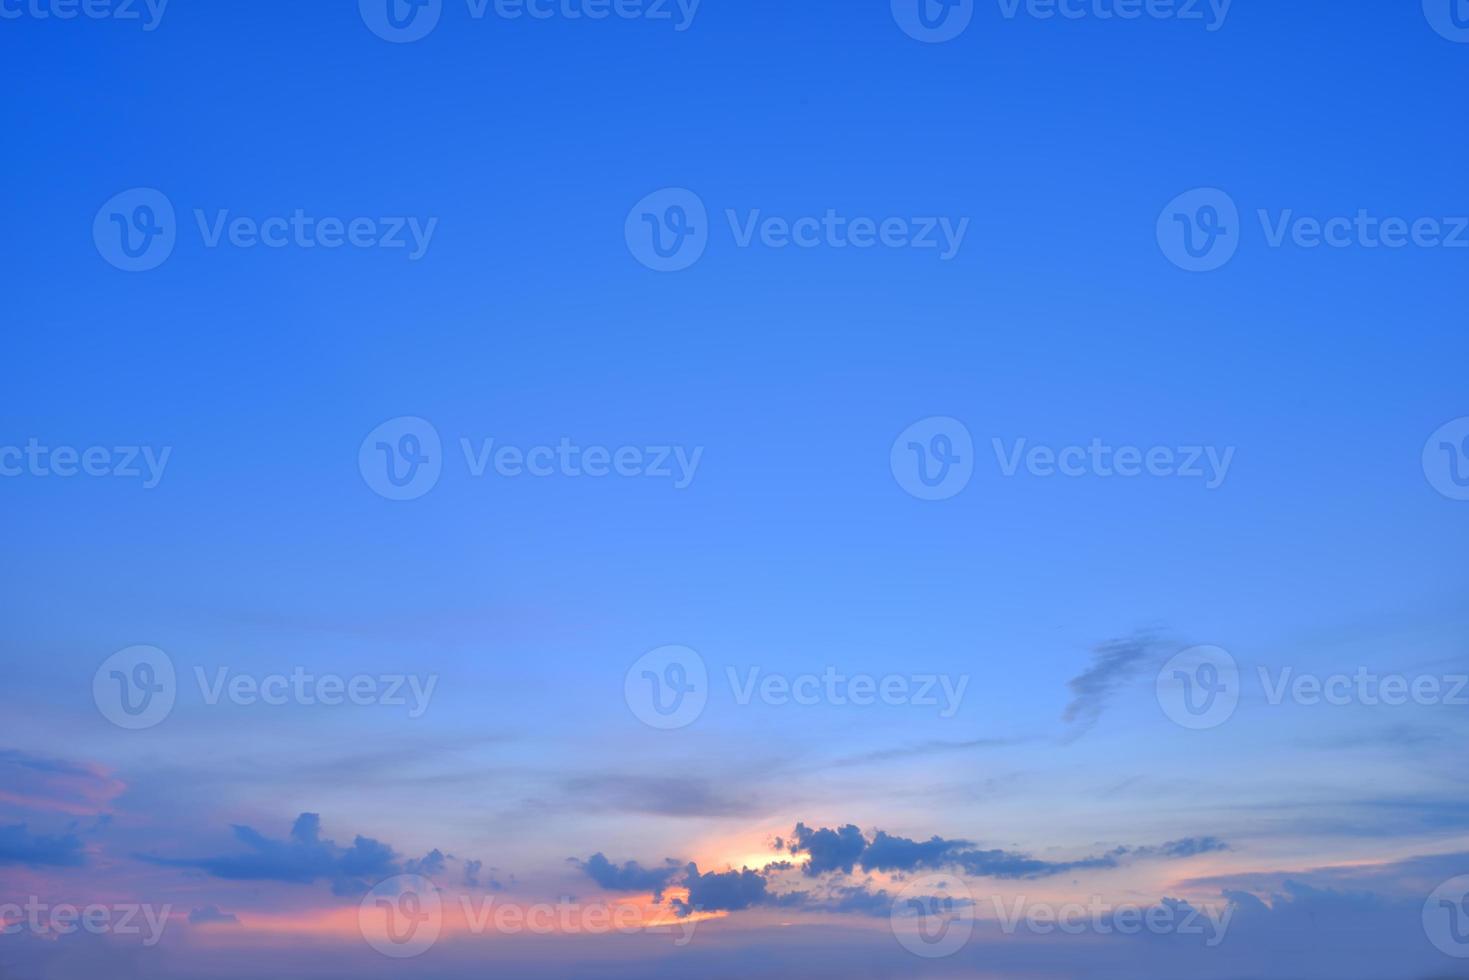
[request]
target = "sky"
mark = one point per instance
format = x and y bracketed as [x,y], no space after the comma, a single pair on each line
[658,488]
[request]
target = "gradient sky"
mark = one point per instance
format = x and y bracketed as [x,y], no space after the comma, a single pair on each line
[1059,777]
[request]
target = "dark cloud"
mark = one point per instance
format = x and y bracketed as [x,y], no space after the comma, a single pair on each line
[827,850]
[19,846]
[211,914]
[669,796]
[722,891]
[842,850]
[628,877]
[305,858]
[1113,665]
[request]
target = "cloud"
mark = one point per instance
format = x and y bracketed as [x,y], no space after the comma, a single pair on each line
[211,915]
[841,850]
[629,877]
[19,846]
[722,891]
[1113,665]
[827,850]
[667,796]
[305,858]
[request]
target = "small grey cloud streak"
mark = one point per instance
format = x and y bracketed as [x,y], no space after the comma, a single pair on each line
[833,853]
[1114,663]
[211,915]
[306,857]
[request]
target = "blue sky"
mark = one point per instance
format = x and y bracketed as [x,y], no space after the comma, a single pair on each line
[521,149]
